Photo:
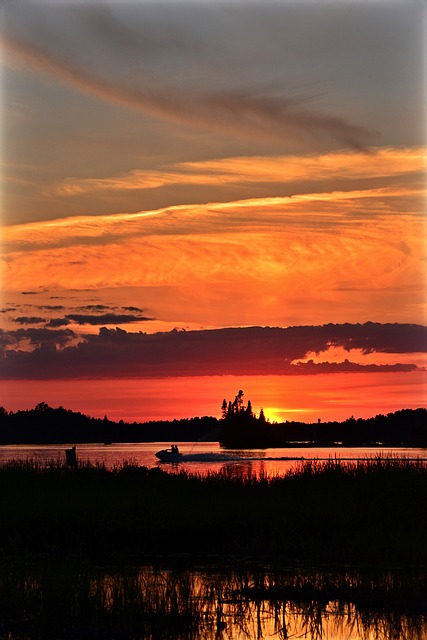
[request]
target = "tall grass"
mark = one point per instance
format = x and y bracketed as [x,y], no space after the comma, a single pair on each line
[367,512]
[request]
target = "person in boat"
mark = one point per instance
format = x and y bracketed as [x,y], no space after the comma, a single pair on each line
[174,449]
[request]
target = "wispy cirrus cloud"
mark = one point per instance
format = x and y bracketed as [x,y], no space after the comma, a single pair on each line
[308,210]
[234,112]
[343,165]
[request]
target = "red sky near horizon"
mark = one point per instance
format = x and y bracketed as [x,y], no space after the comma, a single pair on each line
[202,167]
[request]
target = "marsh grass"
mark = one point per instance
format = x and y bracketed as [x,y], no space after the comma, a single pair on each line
[83,552]
[367,512]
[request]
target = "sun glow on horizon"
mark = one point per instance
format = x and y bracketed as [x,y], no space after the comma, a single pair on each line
[325,396]
[283,414]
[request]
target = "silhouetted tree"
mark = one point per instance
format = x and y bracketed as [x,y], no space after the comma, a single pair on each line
[230,410]
[238,402]
[236,411]
[42,406]
[224,408]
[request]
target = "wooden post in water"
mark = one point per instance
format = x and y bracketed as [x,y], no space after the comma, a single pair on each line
[71,457]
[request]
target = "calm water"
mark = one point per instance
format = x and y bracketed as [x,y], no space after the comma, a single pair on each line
[152,603]
[268,461]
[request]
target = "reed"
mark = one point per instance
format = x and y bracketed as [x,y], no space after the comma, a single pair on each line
[368,512]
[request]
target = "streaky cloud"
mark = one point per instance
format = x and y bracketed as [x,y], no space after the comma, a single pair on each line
[310,367]
[313,210]
[92,319]
[105,318]
[284,169]
[238,112]
[29,320]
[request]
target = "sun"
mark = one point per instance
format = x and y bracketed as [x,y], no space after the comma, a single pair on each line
[281,414]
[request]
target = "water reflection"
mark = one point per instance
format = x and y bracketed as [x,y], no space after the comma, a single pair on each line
[208,603]
[271,462]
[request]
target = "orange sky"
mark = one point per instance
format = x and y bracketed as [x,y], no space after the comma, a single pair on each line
[329,397]
[273,260]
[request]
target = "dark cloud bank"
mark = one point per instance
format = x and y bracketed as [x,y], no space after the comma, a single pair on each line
[237,351]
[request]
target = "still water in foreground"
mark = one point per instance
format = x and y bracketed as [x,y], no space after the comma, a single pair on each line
[208,603]
[205,456]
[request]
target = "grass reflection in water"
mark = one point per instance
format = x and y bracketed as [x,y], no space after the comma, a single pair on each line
[73,602]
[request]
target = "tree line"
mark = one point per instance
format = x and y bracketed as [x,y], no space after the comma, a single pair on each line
[47,425]
[238,427]
[241,428]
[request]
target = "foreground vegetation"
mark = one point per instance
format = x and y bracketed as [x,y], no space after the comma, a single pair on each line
[368,512]
[328,550]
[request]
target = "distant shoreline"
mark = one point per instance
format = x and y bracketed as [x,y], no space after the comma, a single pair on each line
[47,425]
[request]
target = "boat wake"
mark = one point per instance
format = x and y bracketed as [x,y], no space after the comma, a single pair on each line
[166,456]
[219,457]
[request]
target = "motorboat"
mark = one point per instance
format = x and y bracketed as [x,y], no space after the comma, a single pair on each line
[169,455]
[174,455]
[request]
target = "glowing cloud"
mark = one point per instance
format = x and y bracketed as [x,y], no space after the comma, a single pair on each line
[379,163]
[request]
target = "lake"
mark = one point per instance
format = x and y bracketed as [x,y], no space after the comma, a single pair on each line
[266,461]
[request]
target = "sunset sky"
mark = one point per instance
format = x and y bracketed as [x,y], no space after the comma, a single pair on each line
[200,197]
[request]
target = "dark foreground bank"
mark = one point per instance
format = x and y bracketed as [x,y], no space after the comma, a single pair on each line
[369,512]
